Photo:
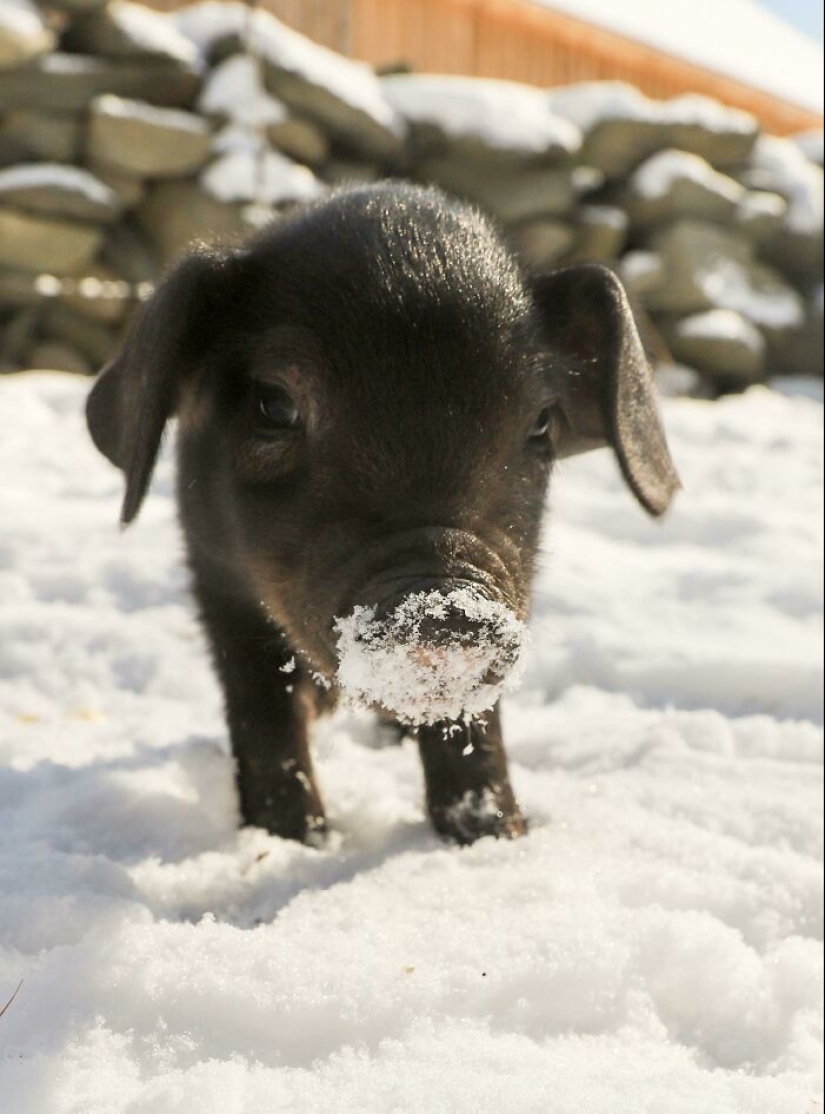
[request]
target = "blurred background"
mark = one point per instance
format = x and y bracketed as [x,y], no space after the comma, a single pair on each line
[680,143]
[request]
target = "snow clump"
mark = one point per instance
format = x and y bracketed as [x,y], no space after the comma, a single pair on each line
[391,662]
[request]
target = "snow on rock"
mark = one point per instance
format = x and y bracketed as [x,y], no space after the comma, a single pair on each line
[67,190]
[733,287]
[141,112]
[150,32]
[642,271]
[141,140]
[654,946]
[672,184]
[127,30]
[393,663]
[779,164]
[591,103]
[812,145]
[235,90]
[705,266]
[723,324]
[622,126]
[719,342]
[342,94]
[241,174]
[657,177]
[57,176]
[762,213]
[23,33]
[505,115]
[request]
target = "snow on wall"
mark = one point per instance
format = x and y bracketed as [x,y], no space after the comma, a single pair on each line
[591,102]
[656,178]
[653,947]
[503,114]
[355,83]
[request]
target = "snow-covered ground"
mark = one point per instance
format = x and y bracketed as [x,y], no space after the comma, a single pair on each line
[653,947]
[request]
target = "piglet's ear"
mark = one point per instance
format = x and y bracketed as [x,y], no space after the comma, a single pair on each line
[603,379]
[138,390]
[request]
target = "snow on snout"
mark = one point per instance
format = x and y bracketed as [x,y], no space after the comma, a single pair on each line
[391,662]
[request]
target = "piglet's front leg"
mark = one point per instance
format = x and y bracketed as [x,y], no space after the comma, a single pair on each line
[269,707]
[467,783]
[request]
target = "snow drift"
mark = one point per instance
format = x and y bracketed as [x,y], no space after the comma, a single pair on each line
[654,946]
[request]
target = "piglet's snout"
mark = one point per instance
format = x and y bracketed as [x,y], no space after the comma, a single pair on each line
[431,654]
[456,618]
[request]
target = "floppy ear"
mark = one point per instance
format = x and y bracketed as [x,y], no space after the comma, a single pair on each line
[604,380]
[138,390]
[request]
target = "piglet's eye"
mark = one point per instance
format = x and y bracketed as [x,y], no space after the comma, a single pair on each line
[275,406]
[542,426]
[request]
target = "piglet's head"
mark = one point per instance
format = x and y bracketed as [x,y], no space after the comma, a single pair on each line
[371,396]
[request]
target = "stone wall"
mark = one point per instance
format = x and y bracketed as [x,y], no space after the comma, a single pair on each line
[125,134]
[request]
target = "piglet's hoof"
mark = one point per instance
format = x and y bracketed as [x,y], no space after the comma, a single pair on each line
[477,814]
[292,809]
[310,829]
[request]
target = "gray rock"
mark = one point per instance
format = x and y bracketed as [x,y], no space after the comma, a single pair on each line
[99,294]
[52,355]
[542,244]
[588,182]
[344,98]
[125,30]
[93,340]
[812,146]
[343,172]
[704,266]
[128,189]
[175,214]
[33,136]
[35,243]
[677,381]
[800,351]
[487,121]
[130,254]
[69,82]
[18,288]
[349,125]
[778,165]
[674,184]
[602,233]
[622,127]
[797,255]
[58,191]
[720,343]
[761,216]
[725,146]
[19,333]
[23,33]
[300,140]
[76,7]
[138,139]
[617,146]
[644,273]
[535,191]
